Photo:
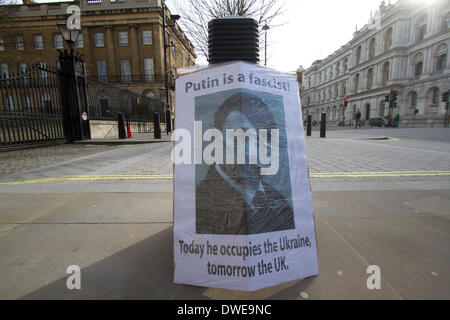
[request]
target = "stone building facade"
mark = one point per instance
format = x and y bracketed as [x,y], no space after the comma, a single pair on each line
[121,40]
[405,48]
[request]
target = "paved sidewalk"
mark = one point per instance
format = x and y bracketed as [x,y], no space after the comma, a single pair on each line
[123,245]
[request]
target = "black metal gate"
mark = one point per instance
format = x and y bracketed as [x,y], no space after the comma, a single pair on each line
[30,107]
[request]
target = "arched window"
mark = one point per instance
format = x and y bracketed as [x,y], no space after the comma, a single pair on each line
[413,99]
[418,64]
[328,114]
[344,88]
[385,72]
[369,78]
[433,96]
[338,69]
[344,66]
[421,27]
[441,57]
[388,39]
[358,54]
[372,48]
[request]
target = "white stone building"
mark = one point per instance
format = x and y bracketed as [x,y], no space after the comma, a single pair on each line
[404,48]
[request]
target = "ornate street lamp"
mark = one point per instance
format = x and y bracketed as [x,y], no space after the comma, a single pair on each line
[69,35]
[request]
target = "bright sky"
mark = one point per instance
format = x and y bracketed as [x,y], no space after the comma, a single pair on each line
[313,30]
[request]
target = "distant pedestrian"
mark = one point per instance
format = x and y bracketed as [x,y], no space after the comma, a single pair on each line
[396,120]
[358,119]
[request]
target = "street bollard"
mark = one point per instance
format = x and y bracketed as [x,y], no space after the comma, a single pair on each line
[308,126]
[121,125]
[168,122]
[157,126]
[323,125]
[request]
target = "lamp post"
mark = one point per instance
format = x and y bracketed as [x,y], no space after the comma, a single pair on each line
[265,28]
[174,17]
[75,128]
[69,35]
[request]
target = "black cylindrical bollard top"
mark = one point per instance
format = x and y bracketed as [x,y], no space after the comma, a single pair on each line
[233,38]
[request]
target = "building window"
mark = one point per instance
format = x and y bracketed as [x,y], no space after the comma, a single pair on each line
[419,68]
[187,63]
[123,38]
[46,103]
[79,42]
[385,72]
[27,104]
[4,72]
[388,39]
[356,82]
[442,62]
[9,103]
[358,55]
[372,48]
[101,71]
[418,64]
[43,74]
[421,27]
[149,69]
[434,96]
[99,39]
[369,78]
[2,44]
[57,38]
[447,21]
[38,42]
[181,57]
[147,37]
[19,42]
[126,70]
[413,99]
[23,73]
[345,66]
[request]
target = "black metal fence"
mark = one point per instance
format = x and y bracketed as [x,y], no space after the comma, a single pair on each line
[105,101]
[30,107]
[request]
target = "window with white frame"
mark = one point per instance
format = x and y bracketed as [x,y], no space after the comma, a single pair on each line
[46,103]
[125,70]
[147,37]
[19,42]
[101,71]
[2,44]
[79,42]
[58,40]
[23,72]
[4,72]
[27,104]
[99,39]
[38,42]
[123,38]
[43,74]
[9,103]
[418,64]
[149,69]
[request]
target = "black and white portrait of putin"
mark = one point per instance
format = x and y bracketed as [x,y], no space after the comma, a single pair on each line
[233,198]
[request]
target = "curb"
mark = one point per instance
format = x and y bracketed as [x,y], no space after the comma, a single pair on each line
[119,142]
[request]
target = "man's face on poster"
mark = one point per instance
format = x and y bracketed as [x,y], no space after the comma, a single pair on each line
[247,175]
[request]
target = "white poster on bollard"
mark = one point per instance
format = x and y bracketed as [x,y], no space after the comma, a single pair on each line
[243,215]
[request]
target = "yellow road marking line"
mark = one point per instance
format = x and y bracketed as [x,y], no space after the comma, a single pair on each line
[170,176]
